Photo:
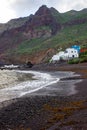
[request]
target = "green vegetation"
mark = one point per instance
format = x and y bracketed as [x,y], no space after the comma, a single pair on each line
[66,37]
[68,16]
[82,58]
[73,15]
[73,61]
[84,46]
[30,46]
[76,34]
[43,28]
[84,54]
[14,23]
[57,15]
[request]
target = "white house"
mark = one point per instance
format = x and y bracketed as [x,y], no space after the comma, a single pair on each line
[69,53]
[58,56]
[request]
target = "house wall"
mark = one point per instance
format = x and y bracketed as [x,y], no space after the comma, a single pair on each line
[58,56]
[71,53]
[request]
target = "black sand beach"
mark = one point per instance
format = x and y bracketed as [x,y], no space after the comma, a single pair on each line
[36,112]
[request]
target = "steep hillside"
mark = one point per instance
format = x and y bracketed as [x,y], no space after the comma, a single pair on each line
[14,23]
[38,37]
[73,15]
[41,25]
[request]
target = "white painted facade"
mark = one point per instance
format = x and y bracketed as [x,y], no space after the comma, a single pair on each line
[69,53]
[58,56]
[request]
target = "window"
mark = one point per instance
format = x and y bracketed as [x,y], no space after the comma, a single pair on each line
[66,52]
[73,56]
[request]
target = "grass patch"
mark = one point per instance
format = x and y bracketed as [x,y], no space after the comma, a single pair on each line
[74,61]
[82,58]
[66,37]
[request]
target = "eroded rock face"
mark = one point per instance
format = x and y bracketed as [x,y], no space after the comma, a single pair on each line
[37,33]
[36,58]
[45,23]
[76,22]
[42,24]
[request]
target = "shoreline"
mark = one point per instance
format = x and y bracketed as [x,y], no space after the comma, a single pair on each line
[46,112]
[60,77]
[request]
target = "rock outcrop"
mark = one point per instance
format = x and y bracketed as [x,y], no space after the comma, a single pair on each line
[45,23]
[42,24]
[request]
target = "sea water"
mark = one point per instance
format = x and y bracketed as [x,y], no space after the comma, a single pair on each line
[39,80]
[42,83]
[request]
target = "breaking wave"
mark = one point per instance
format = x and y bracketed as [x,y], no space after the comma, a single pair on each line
[39,81]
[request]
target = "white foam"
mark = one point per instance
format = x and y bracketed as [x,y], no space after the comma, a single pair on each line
[40,80]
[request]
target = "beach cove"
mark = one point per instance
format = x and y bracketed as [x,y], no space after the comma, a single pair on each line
[49,107]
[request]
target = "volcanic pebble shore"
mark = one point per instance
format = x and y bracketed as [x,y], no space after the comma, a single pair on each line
[49,112]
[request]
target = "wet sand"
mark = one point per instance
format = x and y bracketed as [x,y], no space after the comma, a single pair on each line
[49,112]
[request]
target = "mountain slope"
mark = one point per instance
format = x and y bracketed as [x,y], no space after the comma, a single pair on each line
[38,37]
[14,23]
[42,24]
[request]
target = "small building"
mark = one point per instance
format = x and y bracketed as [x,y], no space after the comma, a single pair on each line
[71,53]
[58,56]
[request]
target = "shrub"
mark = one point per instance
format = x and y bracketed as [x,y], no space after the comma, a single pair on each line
[83,54]
[73,61]
[84,59]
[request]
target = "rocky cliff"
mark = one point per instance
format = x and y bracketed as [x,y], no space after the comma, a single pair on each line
[38,32]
